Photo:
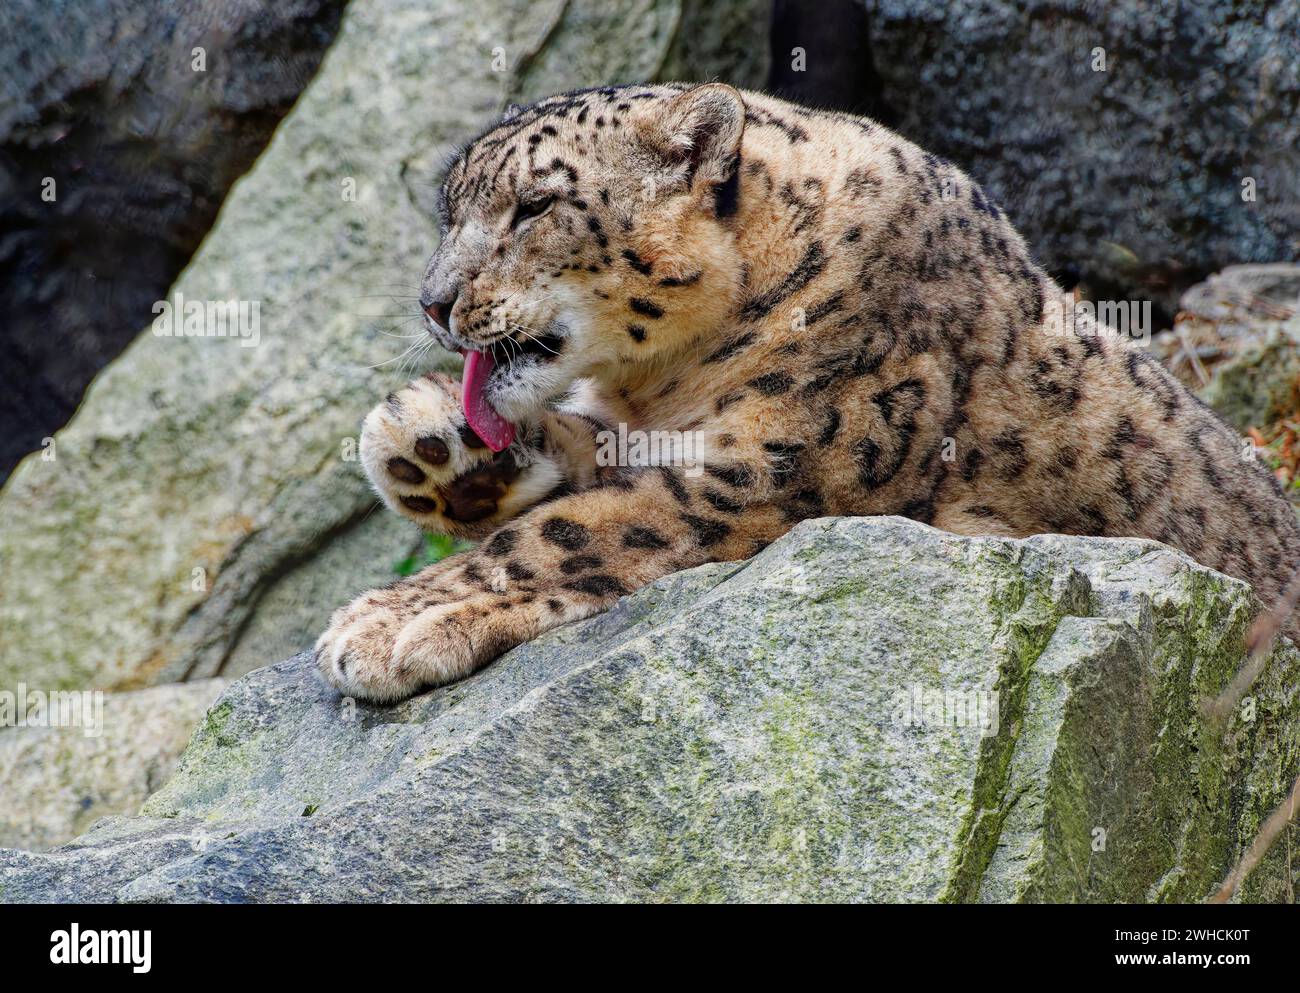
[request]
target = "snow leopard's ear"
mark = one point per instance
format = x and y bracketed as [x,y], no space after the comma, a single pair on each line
[511,112]
[701,130]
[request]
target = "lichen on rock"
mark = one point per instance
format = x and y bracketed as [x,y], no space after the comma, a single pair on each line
[868,710]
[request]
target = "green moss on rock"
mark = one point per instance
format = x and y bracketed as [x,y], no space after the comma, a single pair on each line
[747,732]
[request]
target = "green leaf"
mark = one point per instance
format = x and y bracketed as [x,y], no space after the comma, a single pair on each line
[436,548]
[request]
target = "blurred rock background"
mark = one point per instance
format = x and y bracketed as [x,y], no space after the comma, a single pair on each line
[203,511]
[1117,133]
[103,98]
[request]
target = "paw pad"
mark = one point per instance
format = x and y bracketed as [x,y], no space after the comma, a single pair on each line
[405,470]
[432,449]
[419,504]
[474,496]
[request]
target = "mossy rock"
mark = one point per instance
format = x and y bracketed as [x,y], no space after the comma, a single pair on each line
[868,710]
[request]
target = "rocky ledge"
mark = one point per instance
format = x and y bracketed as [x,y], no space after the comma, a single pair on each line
[869,710]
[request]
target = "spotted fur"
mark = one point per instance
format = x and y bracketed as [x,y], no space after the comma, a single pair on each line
[850,324]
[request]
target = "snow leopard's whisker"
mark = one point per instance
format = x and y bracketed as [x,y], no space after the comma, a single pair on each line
[395,358]
[388,329]
[537,341]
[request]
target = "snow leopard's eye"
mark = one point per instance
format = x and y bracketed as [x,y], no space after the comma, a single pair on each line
[533,208]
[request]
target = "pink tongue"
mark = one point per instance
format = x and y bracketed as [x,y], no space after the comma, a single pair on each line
[485,422]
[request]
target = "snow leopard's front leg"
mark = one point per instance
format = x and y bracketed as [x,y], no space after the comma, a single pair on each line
[429,466]
[568,559]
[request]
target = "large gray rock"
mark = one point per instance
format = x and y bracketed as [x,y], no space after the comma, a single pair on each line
[59,780]
[105,98]
[1130,178]
[201,479]
[751,731]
